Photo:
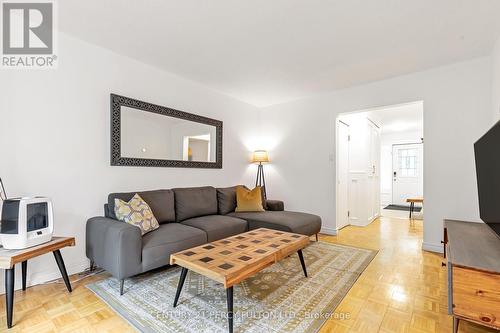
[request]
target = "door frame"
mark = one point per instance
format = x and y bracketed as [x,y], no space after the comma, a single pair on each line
[392,162]
[337,123]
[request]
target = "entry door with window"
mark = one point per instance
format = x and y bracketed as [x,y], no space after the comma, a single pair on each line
[407,172]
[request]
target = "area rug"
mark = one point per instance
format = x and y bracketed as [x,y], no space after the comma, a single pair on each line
[278,299]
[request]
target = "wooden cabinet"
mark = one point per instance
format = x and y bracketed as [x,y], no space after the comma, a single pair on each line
[473,254]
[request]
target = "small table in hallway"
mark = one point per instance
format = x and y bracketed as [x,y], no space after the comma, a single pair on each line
[412,202]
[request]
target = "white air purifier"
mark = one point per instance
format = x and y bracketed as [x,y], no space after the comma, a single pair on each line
[26,222]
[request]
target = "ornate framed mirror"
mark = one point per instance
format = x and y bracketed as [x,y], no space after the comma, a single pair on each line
[145,134]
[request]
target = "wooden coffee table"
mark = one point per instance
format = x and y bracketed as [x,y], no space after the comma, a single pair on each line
[232,260]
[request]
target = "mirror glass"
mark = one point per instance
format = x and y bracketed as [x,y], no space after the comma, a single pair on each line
[149,135]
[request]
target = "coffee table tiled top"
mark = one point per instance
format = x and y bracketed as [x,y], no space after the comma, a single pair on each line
[232,260]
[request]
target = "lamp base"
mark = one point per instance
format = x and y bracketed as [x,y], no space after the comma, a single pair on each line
[261,181]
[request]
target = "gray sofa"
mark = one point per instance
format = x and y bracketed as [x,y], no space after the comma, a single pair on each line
[188,217]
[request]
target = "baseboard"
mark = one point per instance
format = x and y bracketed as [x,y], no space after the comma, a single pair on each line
[43,277]
[328,231]
[437,248]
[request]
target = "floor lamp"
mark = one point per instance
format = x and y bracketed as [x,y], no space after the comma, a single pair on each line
[260,156]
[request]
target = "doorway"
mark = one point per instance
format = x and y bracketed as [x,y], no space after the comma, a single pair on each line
[379,163]
[342,174]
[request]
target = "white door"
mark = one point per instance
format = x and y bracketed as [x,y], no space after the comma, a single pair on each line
[342,175]
[407,172]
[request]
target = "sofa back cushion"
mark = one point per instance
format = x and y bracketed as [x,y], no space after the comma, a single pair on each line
[195,201]
[226,198]
[162,203]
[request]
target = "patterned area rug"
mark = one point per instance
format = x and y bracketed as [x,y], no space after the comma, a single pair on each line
[278,299]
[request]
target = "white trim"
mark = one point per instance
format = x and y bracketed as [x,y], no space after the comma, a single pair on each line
[437,248]
[328,231]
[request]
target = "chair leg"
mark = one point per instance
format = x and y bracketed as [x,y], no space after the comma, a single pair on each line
[122,282]
[317,238]
[92,266]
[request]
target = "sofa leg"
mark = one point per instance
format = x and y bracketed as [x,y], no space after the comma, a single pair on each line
[92,266]
[316,237]
[122,282]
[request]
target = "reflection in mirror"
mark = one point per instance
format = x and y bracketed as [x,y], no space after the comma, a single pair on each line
[148,135]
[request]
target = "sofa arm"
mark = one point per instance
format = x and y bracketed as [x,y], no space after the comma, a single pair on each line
[275,205]
[115,246]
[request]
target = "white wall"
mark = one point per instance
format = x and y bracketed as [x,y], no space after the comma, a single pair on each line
[386,142]
[496,81]
[457,104]
[55,134]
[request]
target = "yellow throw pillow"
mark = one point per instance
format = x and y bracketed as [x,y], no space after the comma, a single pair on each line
[136,212]
[249,200]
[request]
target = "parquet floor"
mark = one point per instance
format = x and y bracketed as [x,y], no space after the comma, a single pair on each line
[402,290]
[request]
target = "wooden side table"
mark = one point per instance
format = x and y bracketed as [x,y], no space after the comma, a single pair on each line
[9,258]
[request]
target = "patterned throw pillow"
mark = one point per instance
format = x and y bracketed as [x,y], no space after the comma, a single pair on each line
[136,212]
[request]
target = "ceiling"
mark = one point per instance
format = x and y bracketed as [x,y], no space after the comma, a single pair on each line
[265,52]
[399,118]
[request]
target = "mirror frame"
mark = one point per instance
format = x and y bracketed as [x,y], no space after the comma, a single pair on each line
[118,101]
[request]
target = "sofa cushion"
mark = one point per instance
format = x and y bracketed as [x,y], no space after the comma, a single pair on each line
[160,201]
[157,246]
[218,226]
[194,202]
[300,223]
[226,198]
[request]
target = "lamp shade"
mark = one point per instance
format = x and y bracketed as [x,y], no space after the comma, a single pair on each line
[260,156]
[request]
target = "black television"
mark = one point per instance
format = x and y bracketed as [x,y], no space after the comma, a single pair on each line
[487,153]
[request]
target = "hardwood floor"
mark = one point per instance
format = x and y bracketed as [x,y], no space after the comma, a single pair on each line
[402,290]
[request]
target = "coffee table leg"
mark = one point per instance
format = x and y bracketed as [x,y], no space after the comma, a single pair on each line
[301,257]
[229,293]
[9,294]
[179,286]
[62,269]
